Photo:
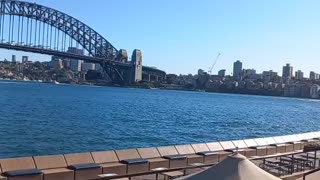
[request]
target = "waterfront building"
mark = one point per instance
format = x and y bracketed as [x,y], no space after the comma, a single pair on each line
[269,76]
[250,85]
[287,72]
[222,73]
[76,64]
[305,91]
[299,75]
[267,85]
[241,85]
[20,67]
[256,77]
[237,69]
[274,86]
[88,66]
[25,59]
[248,73]
[56,62]
[14,59]
[66,63]
[294,90]
[315,91]
[313,76]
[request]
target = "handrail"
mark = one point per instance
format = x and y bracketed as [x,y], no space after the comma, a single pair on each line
[154,172]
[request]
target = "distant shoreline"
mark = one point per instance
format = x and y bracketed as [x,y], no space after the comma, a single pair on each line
[161,88]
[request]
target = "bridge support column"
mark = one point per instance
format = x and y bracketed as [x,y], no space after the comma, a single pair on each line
[136,62]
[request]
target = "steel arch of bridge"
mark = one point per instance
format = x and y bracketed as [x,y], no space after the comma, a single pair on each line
[95,44]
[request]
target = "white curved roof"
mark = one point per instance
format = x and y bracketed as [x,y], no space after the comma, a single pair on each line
[234,167]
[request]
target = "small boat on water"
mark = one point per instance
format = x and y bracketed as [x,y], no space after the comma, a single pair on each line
[56,82]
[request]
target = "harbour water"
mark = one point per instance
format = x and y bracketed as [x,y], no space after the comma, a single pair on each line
[40,119]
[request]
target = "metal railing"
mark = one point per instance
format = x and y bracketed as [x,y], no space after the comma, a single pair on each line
[289,163]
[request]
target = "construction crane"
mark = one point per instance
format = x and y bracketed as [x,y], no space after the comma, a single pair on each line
[214,63]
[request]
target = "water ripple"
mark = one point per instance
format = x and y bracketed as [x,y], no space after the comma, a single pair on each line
[39,119]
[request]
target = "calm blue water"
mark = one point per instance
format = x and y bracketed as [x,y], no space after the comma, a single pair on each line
[39,119]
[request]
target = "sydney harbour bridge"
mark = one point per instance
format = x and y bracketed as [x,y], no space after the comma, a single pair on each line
[31,27]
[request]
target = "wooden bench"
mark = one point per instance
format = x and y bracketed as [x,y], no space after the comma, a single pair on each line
[109,162]
[53,167]
[20,168]
[83,166]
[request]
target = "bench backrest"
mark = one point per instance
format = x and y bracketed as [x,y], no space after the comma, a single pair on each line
[127,154]
[261,142]
[50,162]
[148,153]
[287,139]
[294,138]
[14,164]
[279,139]
[310,135]
[250,142]
[240,144]
[185,149]
[200,147]
[270,141]
[104,157]
[167,150]
[227,145]
[78,158]
[307,136]
[317,134]
[301,137]
[214,146]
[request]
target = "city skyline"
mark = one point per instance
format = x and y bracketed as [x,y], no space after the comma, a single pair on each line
[301,73]
[295,72]
[263,35]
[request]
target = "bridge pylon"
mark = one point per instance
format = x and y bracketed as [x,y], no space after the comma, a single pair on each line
[136,63]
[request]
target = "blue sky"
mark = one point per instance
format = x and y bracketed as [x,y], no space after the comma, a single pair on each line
[181,36]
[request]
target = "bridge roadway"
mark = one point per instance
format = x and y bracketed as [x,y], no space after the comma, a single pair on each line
[61,54]
[147,71]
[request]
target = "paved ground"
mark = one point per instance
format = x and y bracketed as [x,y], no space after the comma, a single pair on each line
[314,176]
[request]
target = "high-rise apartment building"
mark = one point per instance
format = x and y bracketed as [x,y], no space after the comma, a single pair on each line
[222,73]
[76,64]
[299,75]
[237,69]
[287,72]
